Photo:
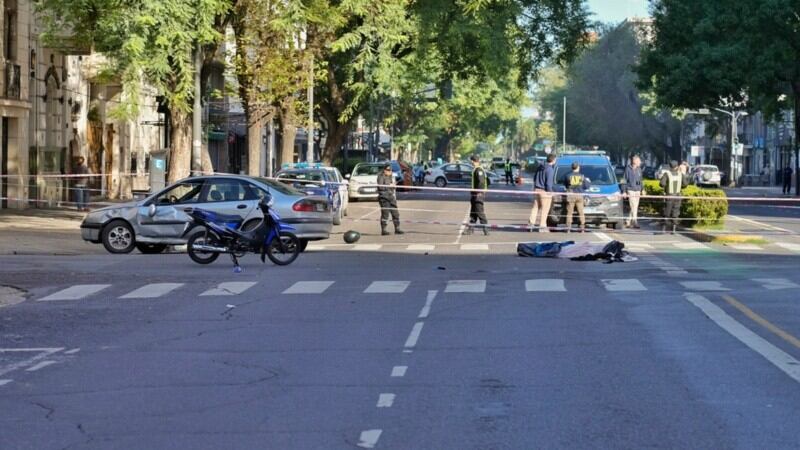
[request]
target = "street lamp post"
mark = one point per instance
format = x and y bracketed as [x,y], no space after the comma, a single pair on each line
[734,115]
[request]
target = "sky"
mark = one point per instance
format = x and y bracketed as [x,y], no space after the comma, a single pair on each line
[616,11]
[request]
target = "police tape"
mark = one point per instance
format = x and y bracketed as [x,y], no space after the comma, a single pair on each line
[76,175]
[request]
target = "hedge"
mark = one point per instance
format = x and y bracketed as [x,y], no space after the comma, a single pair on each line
[700,212]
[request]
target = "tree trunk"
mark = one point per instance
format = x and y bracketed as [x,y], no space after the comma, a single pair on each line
[337,133]
[442,147]
[180,151]
[112,163]
[255,129]
[288,132]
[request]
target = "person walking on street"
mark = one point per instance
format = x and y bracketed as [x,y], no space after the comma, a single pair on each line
[543,198]
[388,201]
[633,190]
[673,181]
[576,184]
[787,180]
[509,172]
[477,196]
[80,182]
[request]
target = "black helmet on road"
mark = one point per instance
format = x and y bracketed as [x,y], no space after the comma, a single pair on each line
[351,237]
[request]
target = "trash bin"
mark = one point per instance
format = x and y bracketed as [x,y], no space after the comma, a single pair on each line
[158,170]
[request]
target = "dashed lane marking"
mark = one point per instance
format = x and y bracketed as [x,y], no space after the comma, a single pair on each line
[545,285]
[426,310]
[72,352]
[309,287]
[40,354]
[707,286]
[5,382]
[387,287]
[780,359]
[385,400]
[624,285]
[76,292]
[153,290]
[465,286]
[369,438]
[41,365]
[229,288]
[789,246]
[413,337]
[776,284]
[399,371]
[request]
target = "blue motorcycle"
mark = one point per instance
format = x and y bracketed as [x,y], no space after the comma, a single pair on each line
[223,234]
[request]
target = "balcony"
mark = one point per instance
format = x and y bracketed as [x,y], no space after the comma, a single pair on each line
[12,77]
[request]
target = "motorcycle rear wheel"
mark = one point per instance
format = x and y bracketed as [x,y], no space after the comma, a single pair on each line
[286,255]
[202,257]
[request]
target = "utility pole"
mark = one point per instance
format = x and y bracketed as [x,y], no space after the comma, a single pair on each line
[310,150]
[197,124]
[564,127]
[734,115]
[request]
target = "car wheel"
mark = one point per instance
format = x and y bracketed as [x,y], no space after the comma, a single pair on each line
[441,182]
[618,225]
[303,244]
[118,237]
[150,249]
[337,217]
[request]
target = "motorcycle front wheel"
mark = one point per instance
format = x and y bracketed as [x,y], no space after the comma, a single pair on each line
[285,250]
[203,238]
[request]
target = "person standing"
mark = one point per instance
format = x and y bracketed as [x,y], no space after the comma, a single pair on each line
[509,172]
[477,196]
[543,197]
[633,190]
[387,199]
[576,184]
[787,180]
[80,182]
[673,181]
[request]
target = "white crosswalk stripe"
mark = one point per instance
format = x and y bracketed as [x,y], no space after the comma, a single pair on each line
[153,290]
[624,285]
[745,247]
[465,286]
[545,285]
[776,284]
[789,246]
[387,287]
[474,247]
[76,292]
[229,288]
[421,248]
[691,246]
[709,286]
[367,247]
[309,287]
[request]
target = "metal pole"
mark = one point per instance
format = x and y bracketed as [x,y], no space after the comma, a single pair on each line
[310,150]
[733,148]
[197,164]
[564,128]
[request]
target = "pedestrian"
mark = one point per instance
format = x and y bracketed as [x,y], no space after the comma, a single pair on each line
[633,190]
[576,185]
[388,201]
[673,181]
[80,182]
[477,196]
[543,197]
[787,180]
[509,172]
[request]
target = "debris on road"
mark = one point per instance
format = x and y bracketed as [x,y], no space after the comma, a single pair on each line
[585,251]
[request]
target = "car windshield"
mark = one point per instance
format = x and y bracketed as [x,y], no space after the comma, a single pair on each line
[707,169]
[367,169]
[599,175]
[302,177]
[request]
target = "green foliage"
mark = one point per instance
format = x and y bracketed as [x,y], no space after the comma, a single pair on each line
[700,212]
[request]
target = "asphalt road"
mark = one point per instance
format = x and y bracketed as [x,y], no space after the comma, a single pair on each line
[430,340]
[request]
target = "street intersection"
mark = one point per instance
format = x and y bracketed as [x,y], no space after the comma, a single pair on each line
[433,339]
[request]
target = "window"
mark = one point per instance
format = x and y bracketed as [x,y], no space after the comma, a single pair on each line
[597,175]
[227,190]
[368,169]
[186,192]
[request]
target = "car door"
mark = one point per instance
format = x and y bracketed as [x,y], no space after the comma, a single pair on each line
[466,174]
[228,196]
[452,173]
[170,217]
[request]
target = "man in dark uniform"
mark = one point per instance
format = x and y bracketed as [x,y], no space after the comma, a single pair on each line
[388,201]
[509,172]
[477,196]
[787,180]
[673,181]
[576,183]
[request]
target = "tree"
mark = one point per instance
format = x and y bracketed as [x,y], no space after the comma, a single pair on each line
[146,40]
[695,59]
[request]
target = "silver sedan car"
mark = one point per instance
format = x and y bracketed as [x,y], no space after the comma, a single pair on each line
[159,220]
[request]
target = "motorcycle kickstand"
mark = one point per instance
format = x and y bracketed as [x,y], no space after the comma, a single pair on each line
[236,267]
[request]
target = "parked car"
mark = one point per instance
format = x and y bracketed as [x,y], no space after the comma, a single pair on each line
[121,228]
[363,180]
[707,175]
[605,208]
[316,179]
[454,173]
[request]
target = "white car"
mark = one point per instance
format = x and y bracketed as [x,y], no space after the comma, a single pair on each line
[707,175]
[456,174]
[344,191]
[363,181]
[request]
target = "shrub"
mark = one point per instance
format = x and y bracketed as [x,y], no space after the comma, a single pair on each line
[697,212]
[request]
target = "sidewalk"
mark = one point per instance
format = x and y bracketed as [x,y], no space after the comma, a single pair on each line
[756,191]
